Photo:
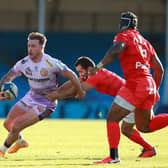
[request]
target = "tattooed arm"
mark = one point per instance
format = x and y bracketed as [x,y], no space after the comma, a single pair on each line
[8,77]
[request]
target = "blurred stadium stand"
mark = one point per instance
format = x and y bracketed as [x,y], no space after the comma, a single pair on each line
[75,28]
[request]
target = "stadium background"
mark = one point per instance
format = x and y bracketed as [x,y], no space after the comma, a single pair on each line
[75,28]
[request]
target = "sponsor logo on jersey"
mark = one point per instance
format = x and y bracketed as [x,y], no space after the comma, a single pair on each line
[60,65]
[36,68]
[24,61]
[43,72]
[151,90]
[49,63]
[38,79]
[28,71]
[140,65]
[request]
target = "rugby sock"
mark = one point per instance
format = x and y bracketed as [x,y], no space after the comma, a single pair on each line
[113,133]
[137,138]
[7,145]
[20,140]
[3,148]
[158,122]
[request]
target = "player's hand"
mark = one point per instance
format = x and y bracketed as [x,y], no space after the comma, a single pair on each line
[80,94]
[93,71]
[3,96]
[52,96]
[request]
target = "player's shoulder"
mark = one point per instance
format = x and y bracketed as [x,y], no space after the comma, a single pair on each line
[49,60]
[53,62]
[49,57]
[104,72]
[121,36]
[23,61]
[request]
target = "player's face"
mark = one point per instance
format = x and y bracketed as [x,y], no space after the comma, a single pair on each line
[83,73]
[34,49]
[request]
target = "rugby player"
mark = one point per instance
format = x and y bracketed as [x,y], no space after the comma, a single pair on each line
[140,91]
[109,83]
[41,71]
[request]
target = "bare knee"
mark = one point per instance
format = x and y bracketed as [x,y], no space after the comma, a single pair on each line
[127,129]
[15,128]
[6,125]
[116,113]
[143,129]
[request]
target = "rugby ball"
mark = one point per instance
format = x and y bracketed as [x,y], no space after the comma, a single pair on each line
[10,89]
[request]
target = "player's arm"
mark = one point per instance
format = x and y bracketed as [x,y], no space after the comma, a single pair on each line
[110,55]
[75,82]
[86,86]
[6,78]
[67,90]
[64,91]
[11,75]
[113,52]
[156,65]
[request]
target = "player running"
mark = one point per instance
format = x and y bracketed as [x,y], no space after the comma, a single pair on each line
[41,71]
[105,82]
[140,91]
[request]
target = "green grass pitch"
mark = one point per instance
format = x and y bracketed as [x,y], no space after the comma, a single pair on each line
[77,143]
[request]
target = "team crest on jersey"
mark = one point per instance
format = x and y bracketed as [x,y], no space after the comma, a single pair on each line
[43,72]
[49,63]
[40,108]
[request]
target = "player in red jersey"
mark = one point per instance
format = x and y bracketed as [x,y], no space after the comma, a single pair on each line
[109,83]
[140,91]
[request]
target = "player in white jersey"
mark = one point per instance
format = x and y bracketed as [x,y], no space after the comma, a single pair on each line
[41,71]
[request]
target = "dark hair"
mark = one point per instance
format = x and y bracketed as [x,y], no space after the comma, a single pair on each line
[85,62]
[128,20]
[37,36]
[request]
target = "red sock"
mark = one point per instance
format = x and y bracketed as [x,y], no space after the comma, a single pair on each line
[137,138]
[113,133]
[158,122]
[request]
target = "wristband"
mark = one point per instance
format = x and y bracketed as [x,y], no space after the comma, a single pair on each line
[99,65]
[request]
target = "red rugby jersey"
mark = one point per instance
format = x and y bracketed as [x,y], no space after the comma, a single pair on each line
[106,82]
[135,59]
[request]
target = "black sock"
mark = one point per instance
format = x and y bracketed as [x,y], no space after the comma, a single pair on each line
[7,145]
[114,153]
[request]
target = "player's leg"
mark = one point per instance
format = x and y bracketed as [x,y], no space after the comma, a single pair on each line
[147,95]
[31,117]
[127,128]
[19,124]
[145,122]
[14,113]
[115,115]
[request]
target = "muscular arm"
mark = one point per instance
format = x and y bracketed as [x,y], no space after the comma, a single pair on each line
[156,65]
[8,77]
[113,52]
[67,90]
[64,91]
[110,56]
[75,82]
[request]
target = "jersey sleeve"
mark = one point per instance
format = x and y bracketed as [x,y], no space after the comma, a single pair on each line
[93,79]
[121,37]
[60,67]
[17,68]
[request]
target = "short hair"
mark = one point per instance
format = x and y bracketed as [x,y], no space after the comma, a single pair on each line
[38,36]
[85,62]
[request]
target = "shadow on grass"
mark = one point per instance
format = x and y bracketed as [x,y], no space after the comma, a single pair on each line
[20,162]
[42,159]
